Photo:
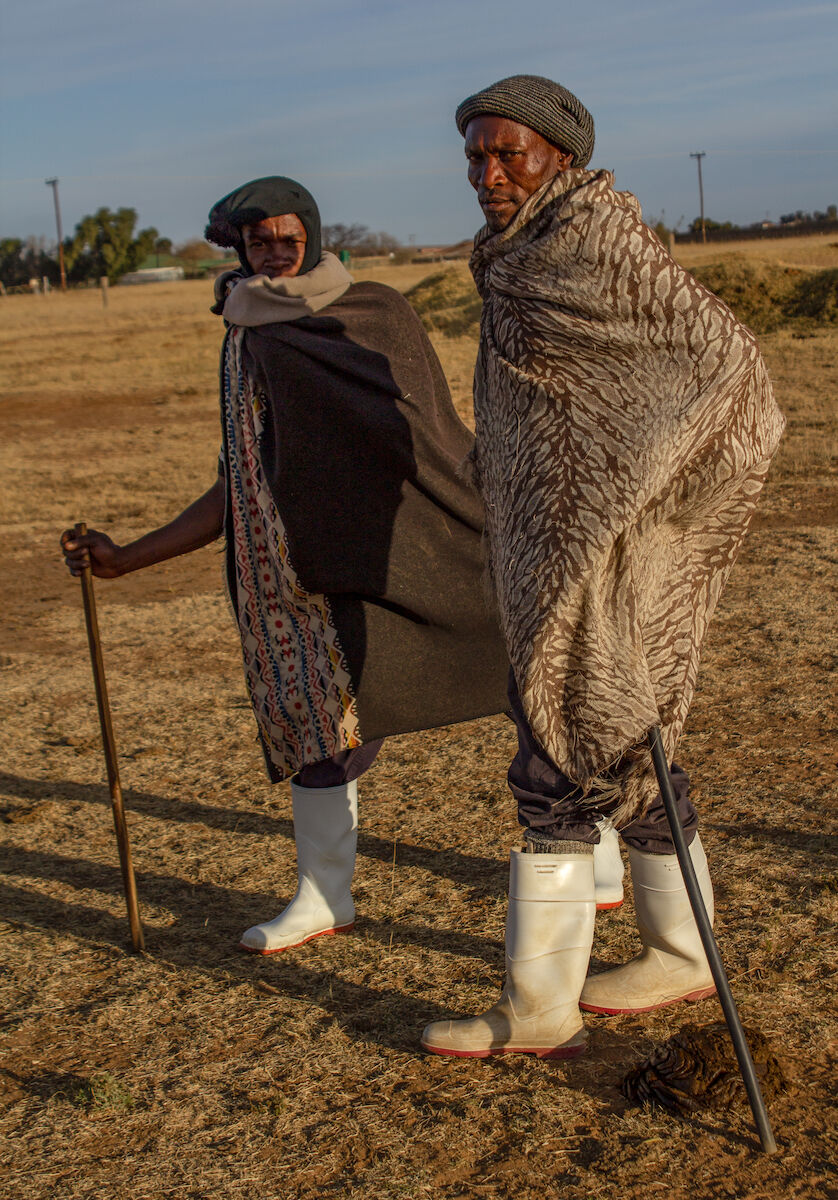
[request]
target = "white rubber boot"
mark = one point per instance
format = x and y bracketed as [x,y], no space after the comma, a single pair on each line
[672,965]
[549,930]
[326,834]
[608,868]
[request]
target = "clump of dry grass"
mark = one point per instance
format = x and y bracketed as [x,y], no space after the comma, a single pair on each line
[99,1090]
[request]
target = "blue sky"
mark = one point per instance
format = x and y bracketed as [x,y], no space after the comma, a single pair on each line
[165,105]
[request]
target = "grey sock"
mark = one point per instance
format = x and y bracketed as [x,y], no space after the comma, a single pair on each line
[540,843]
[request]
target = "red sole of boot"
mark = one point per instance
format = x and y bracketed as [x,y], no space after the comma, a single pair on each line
[609,904]
[560,1052]
[294,945]
[690,998]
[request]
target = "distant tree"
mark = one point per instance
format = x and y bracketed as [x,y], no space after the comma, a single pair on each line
[13,273]
[718,226]
[660,227]
[162,246]
[104,244]
[358,240]
[801,218]
[21,261]
[343,237]
[384,243]
[194,252]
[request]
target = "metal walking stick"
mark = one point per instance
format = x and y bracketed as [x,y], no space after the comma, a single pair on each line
[109,746]
[711,949]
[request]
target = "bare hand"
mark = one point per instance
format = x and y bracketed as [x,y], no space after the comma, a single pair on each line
[92,549]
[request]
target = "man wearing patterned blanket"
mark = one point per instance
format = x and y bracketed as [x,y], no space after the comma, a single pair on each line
[624,427]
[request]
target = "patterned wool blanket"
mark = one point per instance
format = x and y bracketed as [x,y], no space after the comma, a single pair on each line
[354,545]
[625,423]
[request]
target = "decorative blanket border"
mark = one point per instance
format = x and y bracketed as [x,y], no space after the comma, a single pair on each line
[295,669]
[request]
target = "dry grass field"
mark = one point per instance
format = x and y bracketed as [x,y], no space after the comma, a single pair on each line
[815,250]
[196,1072]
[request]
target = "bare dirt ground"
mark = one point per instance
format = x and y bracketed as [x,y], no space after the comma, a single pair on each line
[195,1071]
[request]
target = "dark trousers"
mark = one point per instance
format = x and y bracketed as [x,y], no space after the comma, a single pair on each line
[343,768]
[550,803]
[547,800]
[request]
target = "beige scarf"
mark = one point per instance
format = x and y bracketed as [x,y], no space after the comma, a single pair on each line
[258,300]
[624,426]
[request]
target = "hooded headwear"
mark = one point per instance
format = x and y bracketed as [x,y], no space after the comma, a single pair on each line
[540,104]
[258,200]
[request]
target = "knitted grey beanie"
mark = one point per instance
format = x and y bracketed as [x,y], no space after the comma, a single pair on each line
[541,104]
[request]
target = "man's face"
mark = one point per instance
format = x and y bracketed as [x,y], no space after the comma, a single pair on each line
[507,162]
[275,246]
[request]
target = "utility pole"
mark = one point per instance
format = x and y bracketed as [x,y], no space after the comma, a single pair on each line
[698,157]
[53,183]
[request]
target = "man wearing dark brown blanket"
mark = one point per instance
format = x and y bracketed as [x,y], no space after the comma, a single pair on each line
[624,426]
[353,545]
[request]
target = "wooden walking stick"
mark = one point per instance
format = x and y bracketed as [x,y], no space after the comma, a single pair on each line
[109,746]
[711,949]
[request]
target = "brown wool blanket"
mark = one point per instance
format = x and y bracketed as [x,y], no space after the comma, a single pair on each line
[354,545]
[625,423]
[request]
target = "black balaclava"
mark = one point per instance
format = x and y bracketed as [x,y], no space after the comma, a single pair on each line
[257,201]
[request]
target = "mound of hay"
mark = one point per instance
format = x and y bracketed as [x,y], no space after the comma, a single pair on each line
[447,301]
[757,292]
[815,297]
[765,296]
